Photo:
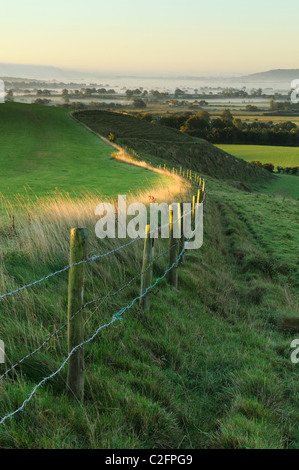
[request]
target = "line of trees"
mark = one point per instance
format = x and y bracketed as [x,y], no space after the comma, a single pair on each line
[292,170]
[229,130]
[289,170]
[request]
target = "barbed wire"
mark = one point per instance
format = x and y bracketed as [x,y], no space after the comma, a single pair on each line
[116,317]
[88,260]
[87,304]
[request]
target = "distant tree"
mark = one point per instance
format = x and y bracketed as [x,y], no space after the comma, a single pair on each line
[203,115]
[287,126]
[9,96]
[178,92]
[42,101]
[226,115]
[139,103]
[238,123]
[251,108]
[269,167]
[129,93]
[195,125]
[217,124]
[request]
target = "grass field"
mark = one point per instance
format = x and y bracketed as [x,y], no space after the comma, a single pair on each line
[43,150]
[282,156]
[283,185]
[208,367]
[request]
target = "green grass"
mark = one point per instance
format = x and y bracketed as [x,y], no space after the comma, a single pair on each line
[43,150]
[281,156]
[283,185]
[208,367]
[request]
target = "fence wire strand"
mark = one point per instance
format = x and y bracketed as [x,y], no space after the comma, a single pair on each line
[87,304]
[116,317]
[88,260]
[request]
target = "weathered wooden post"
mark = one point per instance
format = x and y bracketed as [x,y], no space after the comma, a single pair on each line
[78,252]
[147,269]
[198,196]
[173,252]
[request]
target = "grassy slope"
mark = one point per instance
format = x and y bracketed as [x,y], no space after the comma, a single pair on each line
[45,150]
[154,141]
[209,367]
[283,185]
[282,156]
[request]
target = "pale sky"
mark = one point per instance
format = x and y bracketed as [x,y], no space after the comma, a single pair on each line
[175,37]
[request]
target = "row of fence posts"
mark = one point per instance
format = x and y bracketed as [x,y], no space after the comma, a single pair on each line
[78,252]
[192,176]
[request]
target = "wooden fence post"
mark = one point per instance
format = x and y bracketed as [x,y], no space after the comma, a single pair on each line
[173,252]
[147,269]
[198,196]
[78,252]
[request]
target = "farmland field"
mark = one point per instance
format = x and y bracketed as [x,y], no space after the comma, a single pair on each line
[44,150]
[282,156]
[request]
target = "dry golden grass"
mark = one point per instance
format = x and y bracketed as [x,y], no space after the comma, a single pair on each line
[41,227]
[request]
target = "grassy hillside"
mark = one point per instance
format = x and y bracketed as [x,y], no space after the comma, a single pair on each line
[281,156]
[154,141]
[43,150]
[283,185]
[208,367]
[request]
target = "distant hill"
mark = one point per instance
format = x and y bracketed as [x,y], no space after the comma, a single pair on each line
[274,75]
[41,72]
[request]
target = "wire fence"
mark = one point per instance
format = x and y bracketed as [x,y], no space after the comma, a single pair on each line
[91,259]
[116,316]
[84,306]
